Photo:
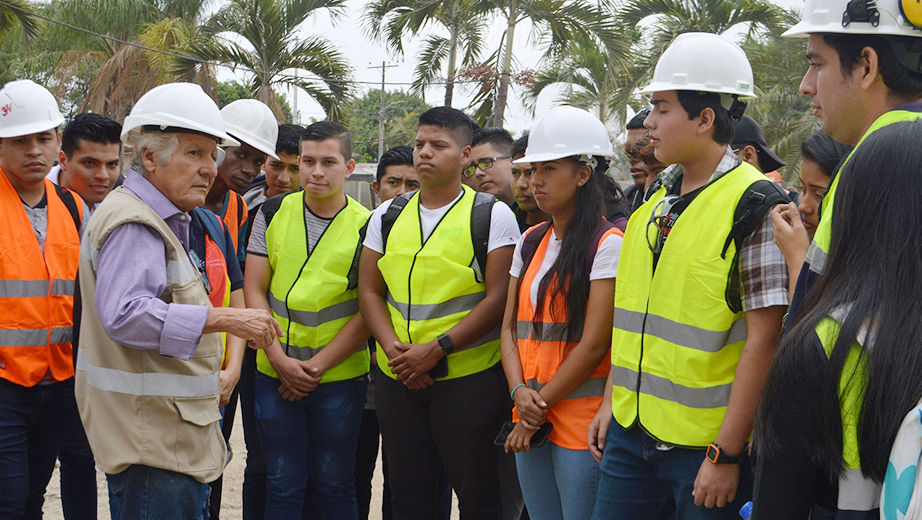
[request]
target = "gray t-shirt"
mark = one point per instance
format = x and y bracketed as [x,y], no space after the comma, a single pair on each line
[38,216]
[257,244]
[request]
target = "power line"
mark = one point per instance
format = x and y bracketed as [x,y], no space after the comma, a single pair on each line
[205,62]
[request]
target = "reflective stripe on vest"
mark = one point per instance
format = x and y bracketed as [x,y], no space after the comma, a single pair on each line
[36,289]
[856,493]
[543,346]
[432,286]
[151,384]
[819,247]
[675,341]
[315,286]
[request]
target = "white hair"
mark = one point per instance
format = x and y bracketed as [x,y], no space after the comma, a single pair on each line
[160,144]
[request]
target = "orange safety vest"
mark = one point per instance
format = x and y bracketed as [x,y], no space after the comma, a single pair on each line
[37,290]
[543,346]
[235,216]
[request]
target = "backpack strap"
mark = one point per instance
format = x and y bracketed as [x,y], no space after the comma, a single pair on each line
[390,216]
[354,268]
[271,206]
[757,200]
[481,215]
[213,226]
[67,197]
[534,236]
[531,241]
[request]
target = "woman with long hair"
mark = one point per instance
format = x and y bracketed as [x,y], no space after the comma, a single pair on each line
[850,368]
[557,327]
[795,224]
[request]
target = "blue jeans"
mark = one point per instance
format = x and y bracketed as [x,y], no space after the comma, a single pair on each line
[146,493]
[78,476]
[558,483]
[314,437]
[254,476]
[639,479]
[34,424]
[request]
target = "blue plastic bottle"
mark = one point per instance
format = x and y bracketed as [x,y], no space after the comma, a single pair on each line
[746,511]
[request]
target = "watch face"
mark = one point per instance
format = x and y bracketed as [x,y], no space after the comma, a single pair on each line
[712,453]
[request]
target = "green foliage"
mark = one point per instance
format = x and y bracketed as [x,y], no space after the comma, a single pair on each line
[402,110]
[232,91]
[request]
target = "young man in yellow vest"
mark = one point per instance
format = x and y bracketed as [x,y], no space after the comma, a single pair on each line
[435,309]
[310,390]
[694,331]
[40,236]
[861,77]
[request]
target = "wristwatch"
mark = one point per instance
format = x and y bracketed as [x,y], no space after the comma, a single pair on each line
[446,344]
[716,455]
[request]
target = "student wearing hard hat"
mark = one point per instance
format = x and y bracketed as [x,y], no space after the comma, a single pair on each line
[556,335]
[864,75]
[698,307]
[147,379]
[251,123]
[39,249]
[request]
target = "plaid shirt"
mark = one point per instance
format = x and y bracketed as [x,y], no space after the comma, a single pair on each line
[763,271]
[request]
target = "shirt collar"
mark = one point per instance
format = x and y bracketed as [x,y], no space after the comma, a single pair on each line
[150,195]
[671,175]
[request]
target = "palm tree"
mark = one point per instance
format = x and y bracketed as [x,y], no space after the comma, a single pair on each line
[585,76]
[19,13]
[557,23]
[271,46]
[671,18]
[392,20]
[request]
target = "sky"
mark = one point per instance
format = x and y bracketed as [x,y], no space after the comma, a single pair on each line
[348,36]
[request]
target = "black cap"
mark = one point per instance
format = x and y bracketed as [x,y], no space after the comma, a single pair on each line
[749,132]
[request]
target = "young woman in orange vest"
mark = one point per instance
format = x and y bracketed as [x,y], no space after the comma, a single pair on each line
[557,328]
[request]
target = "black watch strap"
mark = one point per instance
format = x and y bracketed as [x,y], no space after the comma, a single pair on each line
[716,455]
[446,344]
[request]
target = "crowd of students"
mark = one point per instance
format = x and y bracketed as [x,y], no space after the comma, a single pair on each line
[514,328]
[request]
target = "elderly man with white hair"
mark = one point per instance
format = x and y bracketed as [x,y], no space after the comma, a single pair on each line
[147,379]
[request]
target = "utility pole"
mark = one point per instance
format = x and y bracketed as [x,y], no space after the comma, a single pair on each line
[384,66]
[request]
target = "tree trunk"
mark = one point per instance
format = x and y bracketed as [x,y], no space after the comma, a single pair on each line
[452,65]
[501,93]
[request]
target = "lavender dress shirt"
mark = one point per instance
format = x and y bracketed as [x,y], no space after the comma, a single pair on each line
[131,276]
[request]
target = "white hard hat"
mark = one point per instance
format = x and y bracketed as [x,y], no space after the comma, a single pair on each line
[27,108]
[178,107]
[703,62]
[566,131]
[252,122]
[883,18]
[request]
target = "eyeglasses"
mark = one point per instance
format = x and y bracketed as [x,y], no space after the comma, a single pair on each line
[484,164]
[662,219]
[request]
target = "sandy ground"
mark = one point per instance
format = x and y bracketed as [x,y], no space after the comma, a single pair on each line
[233,487]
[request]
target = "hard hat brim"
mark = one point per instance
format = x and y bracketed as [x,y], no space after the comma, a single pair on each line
[259,144]
[31,128]
[665,87]
[544,157]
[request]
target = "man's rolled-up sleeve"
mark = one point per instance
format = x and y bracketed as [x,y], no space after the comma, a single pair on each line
[130,277]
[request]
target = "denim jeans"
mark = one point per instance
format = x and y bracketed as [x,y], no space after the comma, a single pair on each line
[558,483]
[78,476]
[34,424]
[313,437]
[254,475]
[146,493]
[639,478]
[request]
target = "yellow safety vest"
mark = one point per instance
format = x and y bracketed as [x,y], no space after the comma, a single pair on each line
[431,285]
[675,341]
[856,493]
[310,294]
[819,248]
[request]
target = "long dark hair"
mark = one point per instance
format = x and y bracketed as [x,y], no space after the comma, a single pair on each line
[570,272]
[874,271]
[825,151]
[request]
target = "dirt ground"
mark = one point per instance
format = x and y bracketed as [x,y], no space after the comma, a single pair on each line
[233,487]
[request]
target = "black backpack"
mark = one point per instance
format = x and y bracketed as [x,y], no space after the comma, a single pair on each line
[481,216]
[757,200]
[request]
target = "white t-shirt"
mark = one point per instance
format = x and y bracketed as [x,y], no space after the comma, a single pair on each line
[504,230]
[605,264]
